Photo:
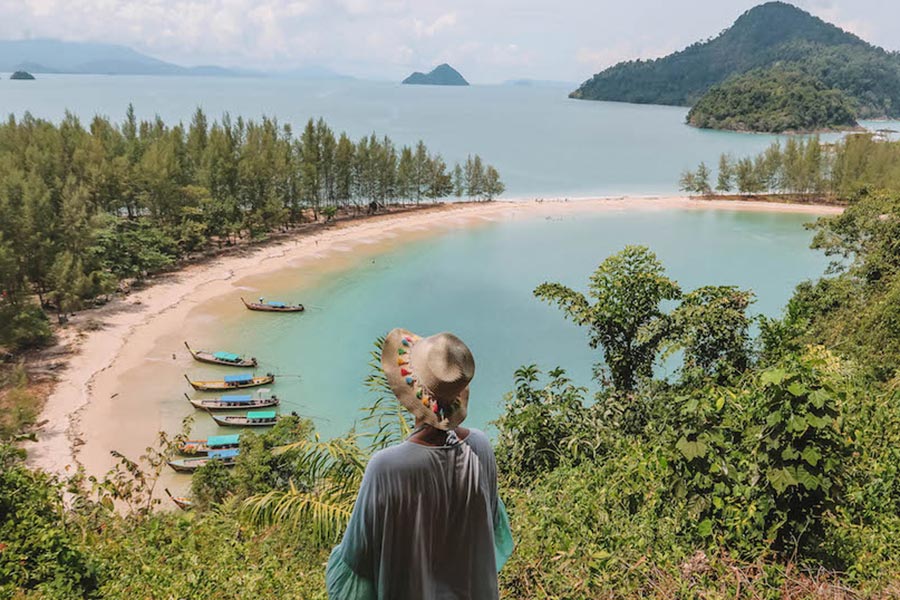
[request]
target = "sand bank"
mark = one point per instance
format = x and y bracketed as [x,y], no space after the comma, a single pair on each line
[86,416]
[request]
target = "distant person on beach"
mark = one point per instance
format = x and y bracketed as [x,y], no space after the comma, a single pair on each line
[428,523]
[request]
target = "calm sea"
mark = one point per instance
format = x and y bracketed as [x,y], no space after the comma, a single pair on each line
[477,282]
[543,143]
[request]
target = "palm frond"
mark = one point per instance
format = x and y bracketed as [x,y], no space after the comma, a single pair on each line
[326,509]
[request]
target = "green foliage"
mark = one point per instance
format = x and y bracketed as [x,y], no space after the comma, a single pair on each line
[696,182]
[544,426]
[773,100]
[40,552]
[712,328]
[89,206]
[834,76]
[628,288]
[846,170]
[18,407]
[759,466]
[23,326]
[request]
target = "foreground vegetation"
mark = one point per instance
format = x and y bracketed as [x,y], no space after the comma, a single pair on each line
[84,208]
[767,467]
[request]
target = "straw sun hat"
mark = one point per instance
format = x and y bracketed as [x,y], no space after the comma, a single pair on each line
[430,376]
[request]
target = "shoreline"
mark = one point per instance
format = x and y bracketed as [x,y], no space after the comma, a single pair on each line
[127,329]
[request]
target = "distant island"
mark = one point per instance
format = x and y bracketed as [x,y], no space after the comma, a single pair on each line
[776,69]
[88,58]
[441,75]
[22,75]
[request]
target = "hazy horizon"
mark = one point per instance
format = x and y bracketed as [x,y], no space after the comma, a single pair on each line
[490,43]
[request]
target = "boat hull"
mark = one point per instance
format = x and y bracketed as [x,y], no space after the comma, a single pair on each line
[215,405]
[247,364]
[189,465]
[277,309]
[242,422]
[223,386]
[208,358]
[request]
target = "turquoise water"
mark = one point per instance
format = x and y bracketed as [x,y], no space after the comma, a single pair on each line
[543,143]
[478,283]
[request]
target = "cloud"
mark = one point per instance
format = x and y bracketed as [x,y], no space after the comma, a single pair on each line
[445,21]
[486,40]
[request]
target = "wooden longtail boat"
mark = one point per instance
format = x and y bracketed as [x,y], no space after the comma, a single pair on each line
[233,402]
[188,465]
[232,382]
[228,359]
[251,419]
[273,306]
[210,444]
[182,502]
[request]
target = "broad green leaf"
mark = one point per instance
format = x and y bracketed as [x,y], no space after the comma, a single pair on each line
[691,450]
[818,398]
[812,455]
[797,423]
[704,529]
[781,479]
[818,422]
[797,389]
[789,453]
[773,376]
[807,479]
[720,402]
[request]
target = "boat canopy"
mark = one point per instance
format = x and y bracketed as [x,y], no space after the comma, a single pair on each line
[229,453]
[268,414]
[223,440]
[238,378]
[277,304]
[227,356]
[236,399]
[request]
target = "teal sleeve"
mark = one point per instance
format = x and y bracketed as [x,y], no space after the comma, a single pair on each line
[503,541]
[343,583]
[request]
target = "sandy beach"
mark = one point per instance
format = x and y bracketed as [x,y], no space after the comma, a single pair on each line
[147,323]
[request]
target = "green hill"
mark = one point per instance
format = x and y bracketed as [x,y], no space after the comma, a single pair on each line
[441,75]
[773,100]
[769,35]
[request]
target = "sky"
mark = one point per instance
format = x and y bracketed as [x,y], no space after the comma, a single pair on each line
[488,41]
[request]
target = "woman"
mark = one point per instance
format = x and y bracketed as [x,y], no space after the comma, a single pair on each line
[428,523]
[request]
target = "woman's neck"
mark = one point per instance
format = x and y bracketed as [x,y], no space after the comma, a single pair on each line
[427,435]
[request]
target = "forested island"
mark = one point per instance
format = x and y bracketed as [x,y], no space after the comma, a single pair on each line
[22,76]
[778,68]
[442,74]
[773,101]
[83,208]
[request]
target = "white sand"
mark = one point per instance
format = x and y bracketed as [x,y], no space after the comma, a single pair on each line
[86,393]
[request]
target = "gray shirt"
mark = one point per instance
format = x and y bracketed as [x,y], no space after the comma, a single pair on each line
[427,525]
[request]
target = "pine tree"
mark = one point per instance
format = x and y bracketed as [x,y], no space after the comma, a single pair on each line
[459,181]
[701,180]
[493,187]
[726,175]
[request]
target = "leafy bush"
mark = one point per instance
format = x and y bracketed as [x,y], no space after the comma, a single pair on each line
[544,426]
[23,326]
[40,552]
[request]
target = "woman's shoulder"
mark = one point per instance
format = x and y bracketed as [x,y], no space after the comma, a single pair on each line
[479,441]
